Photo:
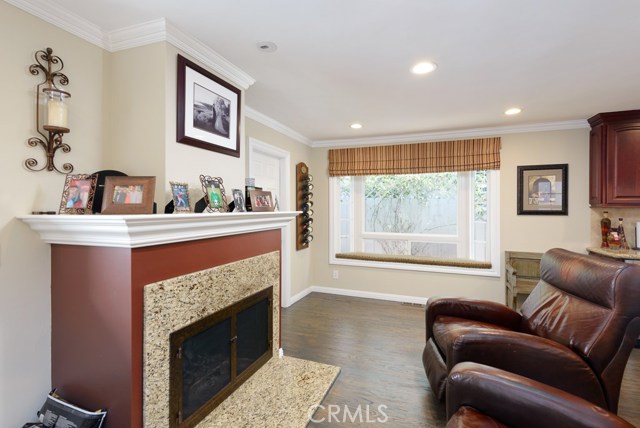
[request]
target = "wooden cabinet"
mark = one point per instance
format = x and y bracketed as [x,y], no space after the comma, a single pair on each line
[614,159]
[522,274]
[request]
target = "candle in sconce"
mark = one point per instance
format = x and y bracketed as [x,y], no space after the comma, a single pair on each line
[57,113]
[57,110]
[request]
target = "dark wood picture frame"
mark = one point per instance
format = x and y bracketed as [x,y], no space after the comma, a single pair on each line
[180,195]
[543,189]
[128,195]
[261,200]
[208,110]
[78,194]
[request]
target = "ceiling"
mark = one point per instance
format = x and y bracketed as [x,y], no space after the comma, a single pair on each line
[344,61]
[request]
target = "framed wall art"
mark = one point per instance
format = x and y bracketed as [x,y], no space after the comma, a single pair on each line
[543,189]
[78,193]
[208,110]
[180,195]
[128,195]
[214,193]
[261,200]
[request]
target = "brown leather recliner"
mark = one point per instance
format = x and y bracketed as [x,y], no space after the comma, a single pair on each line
[576,331]
[483,396]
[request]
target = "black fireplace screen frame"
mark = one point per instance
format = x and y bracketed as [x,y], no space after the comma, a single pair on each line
[176,340]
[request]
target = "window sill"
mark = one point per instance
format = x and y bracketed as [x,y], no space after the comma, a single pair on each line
[416,263]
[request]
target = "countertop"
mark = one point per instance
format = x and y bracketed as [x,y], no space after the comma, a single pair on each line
[615,254]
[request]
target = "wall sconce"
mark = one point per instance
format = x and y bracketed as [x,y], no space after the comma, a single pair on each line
[53,103]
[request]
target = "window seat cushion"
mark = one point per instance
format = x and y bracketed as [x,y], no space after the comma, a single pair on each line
[420,260]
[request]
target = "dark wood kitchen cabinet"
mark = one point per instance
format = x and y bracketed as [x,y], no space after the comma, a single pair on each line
[614,159]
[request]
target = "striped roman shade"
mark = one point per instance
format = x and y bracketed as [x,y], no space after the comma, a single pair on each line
[441,156]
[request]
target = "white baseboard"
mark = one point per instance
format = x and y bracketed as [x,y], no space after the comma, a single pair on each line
[299,296]
[358,293]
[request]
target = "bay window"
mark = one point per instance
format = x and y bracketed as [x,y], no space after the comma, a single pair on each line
[436,221]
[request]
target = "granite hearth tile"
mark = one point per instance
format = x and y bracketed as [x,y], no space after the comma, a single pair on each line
[281,394]
[172,304]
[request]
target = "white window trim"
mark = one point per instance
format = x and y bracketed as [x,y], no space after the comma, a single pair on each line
[493,230]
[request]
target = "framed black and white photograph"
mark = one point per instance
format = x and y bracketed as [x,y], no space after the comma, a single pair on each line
[238,201]
[208,110]
[543,189]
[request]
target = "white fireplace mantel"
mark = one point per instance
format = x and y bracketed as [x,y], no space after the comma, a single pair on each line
[134,231]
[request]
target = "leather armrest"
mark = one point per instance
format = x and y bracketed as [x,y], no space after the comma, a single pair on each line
[532,356]
[515,400]
[479,310]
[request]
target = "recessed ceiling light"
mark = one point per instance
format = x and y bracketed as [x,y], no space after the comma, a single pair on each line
[267,46]
[356,125]
[424,68]
[512,111]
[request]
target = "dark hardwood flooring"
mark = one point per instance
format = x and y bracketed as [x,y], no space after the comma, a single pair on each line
[378,345]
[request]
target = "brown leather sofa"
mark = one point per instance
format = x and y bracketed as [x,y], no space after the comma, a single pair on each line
[576,331]
[483,396]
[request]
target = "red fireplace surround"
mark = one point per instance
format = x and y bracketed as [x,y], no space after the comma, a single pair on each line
[97,311]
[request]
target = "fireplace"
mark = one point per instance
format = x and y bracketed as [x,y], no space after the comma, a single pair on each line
[187,305]
[212,357]
[121,285]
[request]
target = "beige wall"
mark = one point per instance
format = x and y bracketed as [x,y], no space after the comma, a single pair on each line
[135,126]
[523,233]
[300,260]
[25,314]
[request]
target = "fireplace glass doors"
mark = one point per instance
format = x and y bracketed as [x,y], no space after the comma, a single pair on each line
[215,355]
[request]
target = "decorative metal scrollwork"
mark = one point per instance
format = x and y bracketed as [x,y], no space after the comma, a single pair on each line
[51,67]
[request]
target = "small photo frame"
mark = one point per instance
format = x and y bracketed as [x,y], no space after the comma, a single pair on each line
[238,201]
[128,195]
[78,193]
[543,189]
[180,194]
[261,200]
[214,193]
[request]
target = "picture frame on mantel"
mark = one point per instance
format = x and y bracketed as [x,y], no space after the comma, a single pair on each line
[543,189]
[208,110]
[261,200]
[128,195]
[78,194]
[180,196]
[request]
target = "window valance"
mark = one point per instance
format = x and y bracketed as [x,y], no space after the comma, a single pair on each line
[440,156]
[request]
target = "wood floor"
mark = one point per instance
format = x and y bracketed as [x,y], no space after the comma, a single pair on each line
[378,345]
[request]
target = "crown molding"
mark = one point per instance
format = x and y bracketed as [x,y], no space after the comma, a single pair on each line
[203,53]
[143,34]
[452,135]
[137,35]
[276,126]
[63,19]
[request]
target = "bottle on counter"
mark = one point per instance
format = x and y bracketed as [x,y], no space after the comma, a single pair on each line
[624,245]
[605,228]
